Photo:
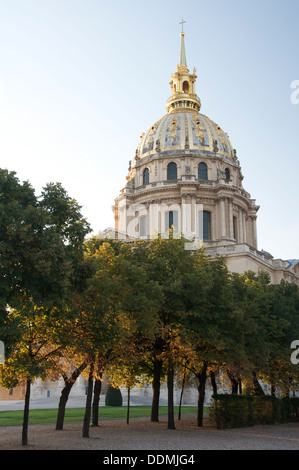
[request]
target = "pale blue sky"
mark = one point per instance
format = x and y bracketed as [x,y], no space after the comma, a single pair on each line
[80,80]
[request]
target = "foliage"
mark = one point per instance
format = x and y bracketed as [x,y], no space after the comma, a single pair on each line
[113,397]
[232,411]
[137,311]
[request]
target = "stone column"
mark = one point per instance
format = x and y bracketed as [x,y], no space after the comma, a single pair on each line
[184,216]
[230,218]
[193,214]
[254,231]
[222,218]
[153,219]
[241,227]
[159,217]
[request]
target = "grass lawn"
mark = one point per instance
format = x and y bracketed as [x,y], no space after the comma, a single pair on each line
[15,418]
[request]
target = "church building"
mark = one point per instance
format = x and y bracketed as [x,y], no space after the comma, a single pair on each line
[185,174]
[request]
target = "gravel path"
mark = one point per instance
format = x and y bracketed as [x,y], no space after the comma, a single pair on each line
[141,434]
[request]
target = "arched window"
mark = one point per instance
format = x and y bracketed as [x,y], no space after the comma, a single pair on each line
[146,176]
[202,171]
[172,173]
[227,174]
[185,87]
[143,226]
[205,225]
[171,220]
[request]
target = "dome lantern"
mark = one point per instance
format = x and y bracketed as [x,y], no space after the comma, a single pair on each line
[183,95]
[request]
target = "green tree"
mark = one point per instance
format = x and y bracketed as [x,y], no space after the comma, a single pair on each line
[20,230]
[33,351]
[41,241]
[206,325]
[97,325]
[41,249]
[282,329]
[140,303]
[248,347]
[176,270]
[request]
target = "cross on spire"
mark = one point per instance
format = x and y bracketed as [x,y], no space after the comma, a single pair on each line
[183,62]
[182,23]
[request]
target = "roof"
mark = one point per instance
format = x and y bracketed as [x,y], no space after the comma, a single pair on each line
[184,130]
[292,263]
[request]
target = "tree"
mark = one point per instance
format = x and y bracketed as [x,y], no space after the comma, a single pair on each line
[183,278]
[247,350]
[33,349]
[20,228]
[125,372]
[206,324]
[140,302]
[97,325]
[282,329]
[69,378]
[41,248]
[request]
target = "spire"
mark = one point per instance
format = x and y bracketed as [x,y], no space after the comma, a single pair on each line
[183,95]
[183,61]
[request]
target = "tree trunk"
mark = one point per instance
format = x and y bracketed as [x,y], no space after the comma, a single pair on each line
[96,398]
[240,386]
[26,414]
[181,395]
[86,422]
[62,404]
[202,377]
[170,374]
[258,391]
[128,407]
[156,390]
[68,384]
[213,382]
[234,382]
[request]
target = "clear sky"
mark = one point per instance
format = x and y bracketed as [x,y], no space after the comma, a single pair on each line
[81,80]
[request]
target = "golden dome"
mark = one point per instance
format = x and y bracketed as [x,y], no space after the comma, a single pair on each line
[184,130]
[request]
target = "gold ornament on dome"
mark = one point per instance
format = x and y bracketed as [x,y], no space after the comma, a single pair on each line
[198,129]
[150,136]
[223,142]
[219,131]
[173,129]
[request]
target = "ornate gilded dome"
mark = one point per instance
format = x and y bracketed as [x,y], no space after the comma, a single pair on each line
[185,174]
[182,130]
